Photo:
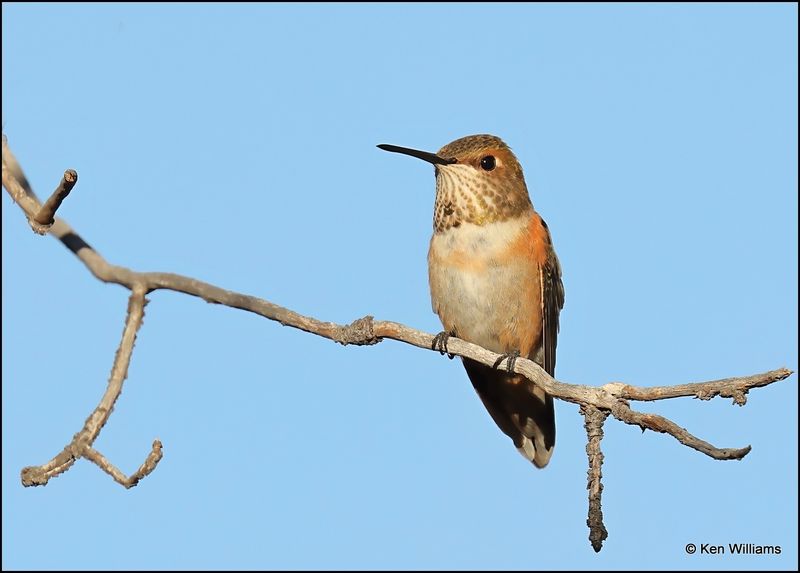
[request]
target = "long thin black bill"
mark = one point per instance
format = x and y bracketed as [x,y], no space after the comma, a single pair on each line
[424,155]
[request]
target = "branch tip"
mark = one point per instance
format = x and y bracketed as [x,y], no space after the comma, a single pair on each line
[45,218]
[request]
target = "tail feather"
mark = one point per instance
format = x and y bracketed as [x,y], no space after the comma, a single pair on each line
[522,410]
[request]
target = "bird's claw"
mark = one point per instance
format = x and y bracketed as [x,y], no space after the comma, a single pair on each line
[440,343]
[512,360]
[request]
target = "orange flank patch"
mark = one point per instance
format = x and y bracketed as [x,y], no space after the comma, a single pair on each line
[533,246]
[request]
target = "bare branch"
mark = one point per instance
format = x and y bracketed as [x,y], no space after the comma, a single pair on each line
[735,388]
[13,180]
[81,444]
[40,475]
[119,371]
[660,424]
[593,422]
[46,215]
[150,463]
[144,470]
[596,402]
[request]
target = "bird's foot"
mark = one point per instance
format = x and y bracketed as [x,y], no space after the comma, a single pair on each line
[511,357]
[440,343]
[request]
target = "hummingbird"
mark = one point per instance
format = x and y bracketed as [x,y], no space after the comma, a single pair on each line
[495,281]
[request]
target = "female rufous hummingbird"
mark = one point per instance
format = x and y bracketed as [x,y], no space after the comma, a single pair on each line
[495,281]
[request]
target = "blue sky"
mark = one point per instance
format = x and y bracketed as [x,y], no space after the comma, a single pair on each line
[236,144]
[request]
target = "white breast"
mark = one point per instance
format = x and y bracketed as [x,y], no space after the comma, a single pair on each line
[474,287]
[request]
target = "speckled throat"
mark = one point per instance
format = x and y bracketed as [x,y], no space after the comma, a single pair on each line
[464,195]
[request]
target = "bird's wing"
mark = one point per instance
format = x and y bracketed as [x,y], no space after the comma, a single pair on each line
[552,297]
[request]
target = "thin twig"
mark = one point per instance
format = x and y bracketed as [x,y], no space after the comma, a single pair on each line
[144,470]
[46,215]
[662,425]
[81,444]
[735,388]
[593,423]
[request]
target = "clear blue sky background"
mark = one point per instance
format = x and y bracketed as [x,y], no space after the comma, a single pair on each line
[236,144]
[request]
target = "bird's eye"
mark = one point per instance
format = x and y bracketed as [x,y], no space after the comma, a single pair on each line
[488,163]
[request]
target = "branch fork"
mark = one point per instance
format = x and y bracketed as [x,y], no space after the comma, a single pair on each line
[596,402]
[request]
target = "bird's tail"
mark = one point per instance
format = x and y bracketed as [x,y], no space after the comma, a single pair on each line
[522,410]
